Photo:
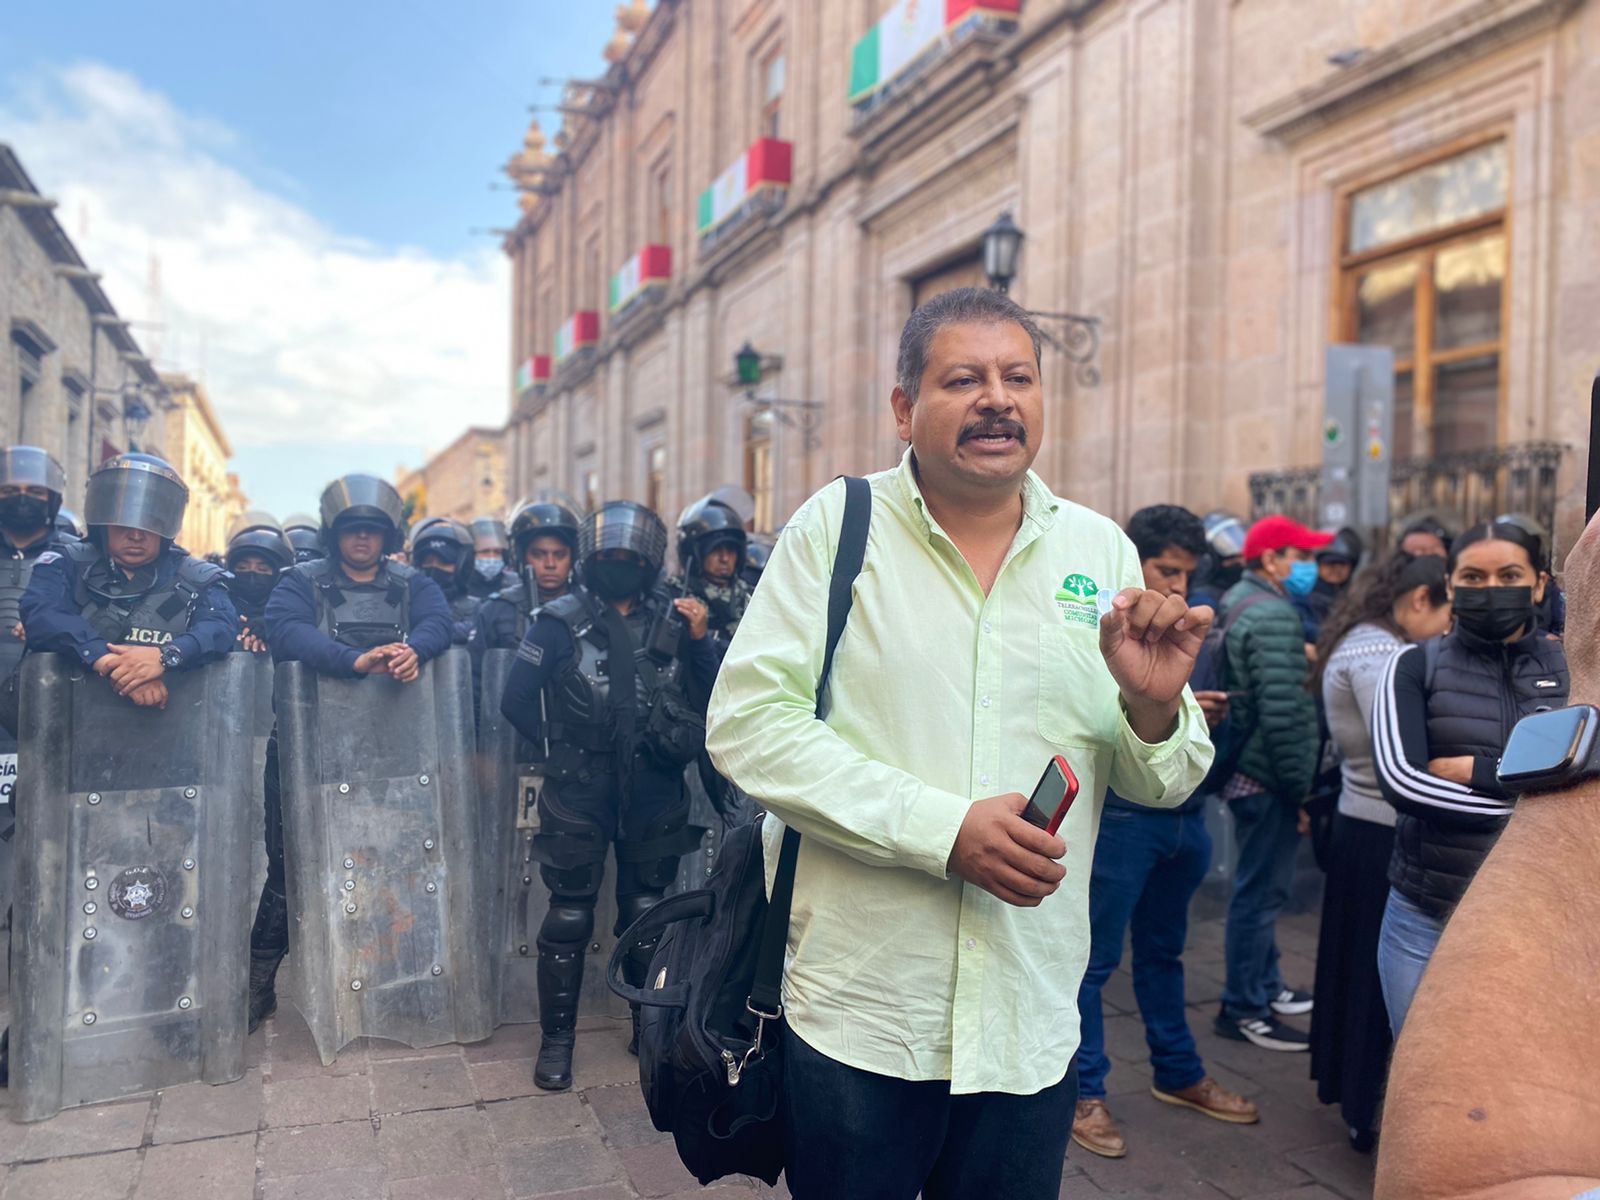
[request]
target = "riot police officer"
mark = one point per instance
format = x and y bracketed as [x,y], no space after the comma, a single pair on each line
[257,556]
[492,551]
[31,486]
[128,602]
[305,535]
[614,678]
[442,549]
[354,612]
[544,538]
[711,550]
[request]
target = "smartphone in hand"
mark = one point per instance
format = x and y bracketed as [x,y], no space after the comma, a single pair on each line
[1053,797]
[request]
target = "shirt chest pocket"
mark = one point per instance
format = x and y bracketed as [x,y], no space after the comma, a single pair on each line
[1077,697]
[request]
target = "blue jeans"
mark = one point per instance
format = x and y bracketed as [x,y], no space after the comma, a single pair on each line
[1148,865]
[1405,944]
[1268,833]
[853,1133]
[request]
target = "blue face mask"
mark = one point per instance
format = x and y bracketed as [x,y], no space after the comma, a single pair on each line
[1301,579]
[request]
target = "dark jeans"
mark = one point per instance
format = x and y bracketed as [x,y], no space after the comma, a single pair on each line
[1268,833]
[1148,865]
[852,1133]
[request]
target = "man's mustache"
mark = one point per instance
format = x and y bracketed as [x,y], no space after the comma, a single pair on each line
[1003,425]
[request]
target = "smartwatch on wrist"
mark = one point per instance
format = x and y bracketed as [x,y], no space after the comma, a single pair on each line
[1550,750]
[171,656]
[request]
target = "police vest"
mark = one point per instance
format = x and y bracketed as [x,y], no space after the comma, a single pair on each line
[15,572]
[579,711]
[121,609]
[361,615]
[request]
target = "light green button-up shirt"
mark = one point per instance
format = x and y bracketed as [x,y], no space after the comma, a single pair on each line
[940,695]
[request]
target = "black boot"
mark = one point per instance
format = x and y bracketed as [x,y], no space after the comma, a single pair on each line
[263,990]
[560,981]
[269,942]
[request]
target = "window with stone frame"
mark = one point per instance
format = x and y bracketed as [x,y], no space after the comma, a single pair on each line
[655,476]
[1423,271]
[658,204]
[965,270]
[590,479]
[769,76]
[758,465]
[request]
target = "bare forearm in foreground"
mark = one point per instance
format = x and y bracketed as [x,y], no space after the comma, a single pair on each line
[1495,1089]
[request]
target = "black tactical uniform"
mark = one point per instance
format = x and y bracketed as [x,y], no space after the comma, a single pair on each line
[450,541]
[705,526]
[27,529]
[619,698]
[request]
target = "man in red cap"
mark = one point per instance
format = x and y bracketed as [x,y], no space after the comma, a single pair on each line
[1264,673]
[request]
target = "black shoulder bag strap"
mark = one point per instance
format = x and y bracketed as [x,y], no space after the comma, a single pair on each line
[766,989]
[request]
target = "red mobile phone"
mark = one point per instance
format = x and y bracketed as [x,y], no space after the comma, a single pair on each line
[1053,797]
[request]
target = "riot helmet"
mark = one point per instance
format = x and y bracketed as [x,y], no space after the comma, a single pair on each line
[305,536]
[23,467]
[258,533]
[357,500]
[491,547]
[534,519]
[137,491]
[621,548]
[705,525]
[448,539]
[1224,534]
[70,525]
[756,555]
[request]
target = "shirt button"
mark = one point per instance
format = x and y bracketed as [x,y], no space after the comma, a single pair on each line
[983,779]
[986,627]
[972,943]
[984,702]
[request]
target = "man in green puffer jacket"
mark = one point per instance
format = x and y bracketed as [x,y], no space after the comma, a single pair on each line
[1265,677]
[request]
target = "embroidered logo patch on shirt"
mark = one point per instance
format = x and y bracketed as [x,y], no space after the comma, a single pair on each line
[1078,598]
[528,652]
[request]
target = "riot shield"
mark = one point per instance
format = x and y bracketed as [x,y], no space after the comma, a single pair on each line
[390,891]
[510,782]
[694,868]
[261,720]
[132,932]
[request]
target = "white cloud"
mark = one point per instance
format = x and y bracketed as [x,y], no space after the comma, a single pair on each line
[307,335]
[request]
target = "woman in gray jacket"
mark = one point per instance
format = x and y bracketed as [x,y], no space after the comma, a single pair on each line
[1397,601]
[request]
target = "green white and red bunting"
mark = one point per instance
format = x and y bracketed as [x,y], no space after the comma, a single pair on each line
[531,370]
[648,268]
[767,163]
[577,331]
[908,29]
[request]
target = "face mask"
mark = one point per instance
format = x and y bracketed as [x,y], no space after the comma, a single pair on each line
[252,587]
[615,580]
[24,512]
[445,579]
[1493,613]
[1301,579]
[490,568]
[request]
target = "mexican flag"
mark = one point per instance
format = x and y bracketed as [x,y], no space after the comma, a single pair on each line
[908,29]
[533,369]
[577,331]
[767,163]
[648,268]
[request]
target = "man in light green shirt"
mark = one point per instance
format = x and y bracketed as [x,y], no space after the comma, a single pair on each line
[937,940]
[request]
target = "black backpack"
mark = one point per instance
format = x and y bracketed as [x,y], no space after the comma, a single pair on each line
[1210,674]
[711,1008]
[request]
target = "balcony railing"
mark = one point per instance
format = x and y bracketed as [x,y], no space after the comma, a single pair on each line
[912,37]
[1471,487]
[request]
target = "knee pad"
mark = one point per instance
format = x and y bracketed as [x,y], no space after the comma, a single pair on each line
[568,923]
[581,880]
[631,908]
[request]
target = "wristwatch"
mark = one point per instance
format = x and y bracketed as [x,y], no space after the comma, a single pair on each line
[1549,750]
[171,656]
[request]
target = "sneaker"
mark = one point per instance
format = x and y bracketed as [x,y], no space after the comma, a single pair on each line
[1094,1130]
[1267,1032]
[1290,1003]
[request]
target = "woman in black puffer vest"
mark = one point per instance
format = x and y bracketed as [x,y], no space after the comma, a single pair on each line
[1441,717]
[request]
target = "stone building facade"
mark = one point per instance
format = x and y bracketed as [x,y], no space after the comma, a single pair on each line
[73,379]
[197,446]
[1228,186]
[466,479]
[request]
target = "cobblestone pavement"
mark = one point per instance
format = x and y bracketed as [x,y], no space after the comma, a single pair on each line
[386,1122]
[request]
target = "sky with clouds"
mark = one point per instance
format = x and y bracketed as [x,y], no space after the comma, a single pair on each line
[306,184]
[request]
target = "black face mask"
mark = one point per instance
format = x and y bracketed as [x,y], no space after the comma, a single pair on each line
[1493,613]
[24,513]
[615,580]
[253,587]
[445,579]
